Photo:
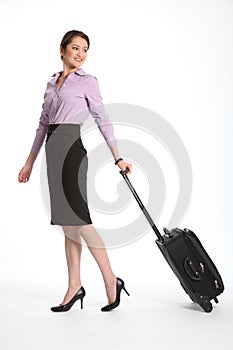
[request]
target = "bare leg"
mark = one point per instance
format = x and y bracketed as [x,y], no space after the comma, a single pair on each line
[73,251]
[96,246]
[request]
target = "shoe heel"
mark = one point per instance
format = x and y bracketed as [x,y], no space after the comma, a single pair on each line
[81,303]
[126,291]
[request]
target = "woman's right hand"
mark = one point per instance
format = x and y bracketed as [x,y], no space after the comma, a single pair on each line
[25,172]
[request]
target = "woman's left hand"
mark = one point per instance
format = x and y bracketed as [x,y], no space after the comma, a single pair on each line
[123,165]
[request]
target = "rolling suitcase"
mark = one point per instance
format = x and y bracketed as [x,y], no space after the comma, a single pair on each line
[188,259]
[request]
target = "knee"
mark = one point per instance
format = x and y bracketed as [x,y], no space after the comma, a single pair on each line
[72,232]
[84,230]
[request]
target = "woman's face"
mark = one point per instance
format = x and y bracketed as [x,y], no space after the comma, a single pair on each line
[75,53]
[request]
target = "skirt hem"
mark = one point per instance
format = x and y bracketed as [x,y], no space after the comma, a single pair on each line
[78,224]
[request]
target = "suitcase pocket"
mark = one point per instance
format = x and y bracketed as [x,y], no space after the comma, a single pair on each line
[191,270]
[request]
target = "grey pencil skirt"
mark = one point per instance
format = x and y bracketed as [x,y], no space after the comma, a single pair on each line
[67,163]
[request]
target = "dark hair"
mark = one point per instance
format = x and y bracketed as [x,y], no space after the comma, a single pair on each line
[68,37]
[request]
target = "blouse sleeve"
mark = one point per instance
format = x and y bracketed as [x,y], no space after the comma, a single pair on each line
[41,131]
[96,108]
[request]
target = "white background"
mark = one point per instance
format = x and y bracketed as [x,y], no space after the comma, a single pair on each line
[173,57]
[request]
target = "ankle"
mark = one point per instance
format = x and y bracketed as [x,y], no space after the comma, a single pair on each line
[111,282]
[74,286]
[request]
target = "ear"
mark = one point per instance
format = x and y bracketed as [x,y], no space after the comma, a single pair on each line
[61,51]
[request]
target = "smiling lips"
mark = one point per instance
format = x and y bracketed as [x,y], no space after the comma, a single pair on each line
[78,59]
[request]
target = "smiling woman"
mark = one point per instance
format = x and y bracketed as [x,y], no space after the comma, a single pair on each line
[73,50]
[70,95]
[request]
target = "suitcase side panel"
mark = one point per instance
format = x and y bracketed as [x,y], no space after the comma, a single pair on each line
[202,256]
[165,249]
[179,251]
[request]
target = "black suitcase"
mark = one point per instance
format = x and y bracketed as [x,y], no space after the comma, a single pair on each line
[188,259]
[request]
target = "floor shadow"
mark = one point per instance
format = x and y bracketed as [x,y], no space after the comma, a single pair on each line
[192,306]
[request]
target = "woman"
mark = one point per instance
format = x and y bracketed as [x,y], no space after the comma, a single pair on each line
[69,97]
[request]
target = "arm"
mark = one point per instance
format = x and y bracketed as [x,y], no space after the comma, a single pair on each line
[25,172]
[121,164]
[96,108]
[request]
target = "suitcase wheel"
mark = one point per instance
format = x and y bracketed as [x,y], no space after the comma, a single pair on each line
[206,304]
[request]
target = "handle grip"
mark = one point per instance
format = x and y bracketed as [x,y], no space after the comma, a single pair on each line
[124,172]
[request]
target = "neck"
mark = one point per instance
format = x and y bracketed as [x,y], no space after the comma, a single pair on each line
[67,71]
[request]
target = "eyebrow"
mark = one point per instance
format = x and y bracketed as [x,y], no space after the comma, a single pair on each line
[85,47]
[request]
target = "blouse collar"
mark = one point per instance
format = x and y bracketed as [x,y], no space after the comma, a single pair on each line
[79,71]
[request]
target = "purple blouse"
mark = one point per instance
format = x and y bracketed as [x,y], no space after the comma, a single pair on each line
[72,103]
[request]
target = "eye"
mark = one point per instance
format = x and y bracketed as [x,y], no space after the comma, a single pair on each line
[75,48]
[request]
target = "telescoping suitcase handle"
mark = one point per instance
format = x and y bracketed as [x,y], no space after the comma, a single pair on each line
[145,212]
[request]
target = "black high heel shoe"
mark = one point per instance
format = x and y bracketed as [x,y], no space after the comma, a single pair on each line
[66,307]
[119,286]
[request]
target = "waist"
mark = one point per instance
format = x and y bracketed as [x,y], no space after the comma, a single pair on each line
[65,128]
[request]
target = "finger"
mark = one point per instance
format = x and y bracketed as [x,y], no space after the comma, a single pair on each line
[130,168]
[23,179]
